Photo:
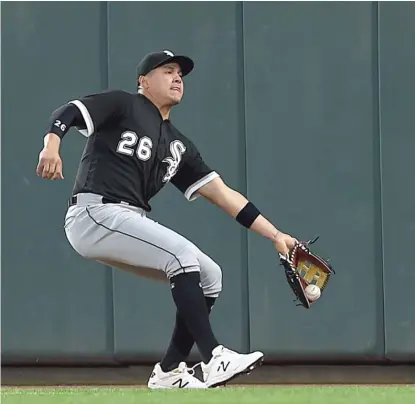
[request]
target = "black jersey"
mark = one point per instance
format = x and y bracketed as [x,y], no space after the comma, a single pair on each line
[131,152]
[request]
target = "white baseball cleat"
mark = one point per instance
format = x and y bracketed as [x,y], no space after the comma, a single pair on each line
[225,365]
[179,378]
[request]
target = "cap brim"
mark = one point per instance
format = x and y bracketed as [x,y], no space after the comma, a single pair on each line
[186,64]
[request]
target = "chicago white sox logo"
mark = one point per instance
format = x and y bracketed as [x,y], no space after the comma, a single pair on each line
[177,149]
[167,52]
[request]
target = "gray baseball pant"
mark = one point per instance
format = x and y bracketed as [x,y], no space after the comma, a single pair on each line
[123,236]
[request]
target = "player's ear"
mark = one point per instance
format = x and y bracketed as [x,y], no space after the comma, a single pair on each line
[143,82]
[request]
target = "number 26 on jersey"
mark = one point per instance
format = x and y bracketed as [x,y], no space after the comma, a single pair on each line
[129,140]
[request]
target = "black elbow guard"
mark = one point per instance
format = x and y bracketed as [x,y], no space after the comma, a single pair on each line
[62,119]
[247,215]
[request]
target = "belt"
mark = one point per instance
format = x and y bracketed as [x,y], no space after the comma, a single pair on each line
[89,198]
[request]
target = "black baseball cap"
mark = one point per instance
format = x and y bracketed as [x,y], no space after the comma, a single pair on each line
[156,59]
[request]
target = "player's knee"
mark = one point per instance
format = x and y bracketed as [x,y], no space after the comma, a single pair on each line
[212,280]
[217,279]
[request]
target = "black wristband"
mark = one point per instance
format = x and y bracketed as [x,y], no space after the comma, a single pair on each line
[247,215]
[62,119]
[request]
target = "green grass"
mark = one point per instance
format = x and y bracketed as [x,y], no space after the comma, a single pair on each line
[245,395]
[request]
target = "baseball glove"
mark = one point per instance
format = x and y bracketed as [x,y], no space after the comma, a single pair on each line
[303,268]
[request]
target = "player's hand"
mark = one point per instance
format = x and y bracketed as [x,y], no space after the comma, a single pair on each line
[50,165]
[284,243]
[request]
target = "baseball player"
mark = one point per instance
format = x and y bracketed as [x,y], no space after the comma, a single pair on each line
[132,151]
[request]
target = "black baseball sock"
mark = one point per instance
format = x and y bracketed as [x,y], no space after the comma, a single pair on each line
[181,342]
[193,311]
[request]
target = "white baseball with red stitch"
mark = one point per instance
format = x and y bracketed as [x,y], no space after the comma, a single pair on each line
[312,292]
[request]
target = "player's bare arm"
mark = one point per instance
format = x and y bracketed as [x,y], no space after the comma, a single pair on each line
[50,163]
[237,206]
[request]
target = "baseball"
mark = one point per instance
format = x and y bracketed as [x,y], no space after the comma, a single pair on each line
[312,292]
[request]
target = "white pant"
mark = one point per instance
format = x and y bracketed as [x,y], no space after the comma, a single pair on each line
[123,236]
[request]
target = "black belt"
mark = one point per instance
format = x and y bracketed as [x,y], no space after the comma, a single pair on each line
[74,199]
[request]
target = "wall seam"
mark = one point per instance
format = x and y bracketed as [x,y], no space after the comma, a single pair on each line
[109,278]
[379,169]
[245,253]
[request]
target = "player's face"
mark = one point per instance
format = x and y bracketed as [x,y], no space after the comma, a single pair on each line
[166,83]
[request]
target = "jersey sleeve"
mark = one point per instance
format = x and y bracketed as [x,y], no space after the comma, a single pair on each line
[193,175]
[98,109]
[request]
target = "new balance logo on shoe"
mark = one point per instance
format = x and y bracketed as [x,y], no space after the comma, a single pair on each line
[223,366]
[180,383]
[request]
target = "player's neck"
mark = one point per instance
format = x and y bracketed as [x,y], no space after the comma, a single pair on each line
[164,111]
[163,108]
